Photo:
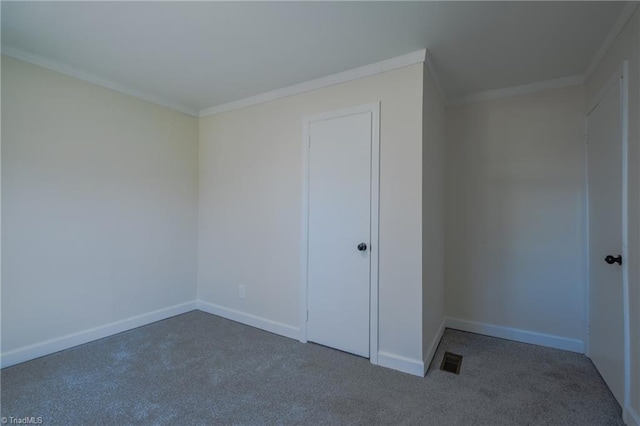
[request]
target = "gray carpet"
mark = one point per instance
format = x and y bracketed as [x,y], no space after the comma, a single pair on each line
[197,368]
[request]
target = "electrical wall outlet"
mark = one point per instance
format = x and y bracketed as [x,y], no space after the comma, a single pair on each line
[241,291]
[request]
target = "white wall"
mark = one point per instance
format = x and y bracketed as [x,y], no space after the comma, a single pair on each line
[627,47]
[99,198]
[433,145]
[251,177]
[514,223]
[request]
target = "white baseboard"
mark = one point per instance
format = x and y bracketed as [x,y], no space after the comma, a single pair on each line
[631,417]
[519,335]
[251,320]
[393,361]
[401,363]
[27,353]
[428,357]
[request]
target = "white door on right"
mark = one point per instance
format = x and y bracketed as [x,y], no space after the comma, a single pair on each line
[606,320]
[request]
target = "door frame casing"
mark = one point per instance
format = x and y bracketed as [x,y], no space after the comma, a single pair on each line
[374,109]
[621,78]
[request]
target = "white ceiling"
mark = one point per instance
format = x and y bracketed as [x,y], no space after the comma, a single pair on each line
[200,54]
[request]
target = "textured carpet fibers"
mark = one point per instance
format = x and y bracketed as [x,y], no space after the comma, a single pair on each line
[197,368]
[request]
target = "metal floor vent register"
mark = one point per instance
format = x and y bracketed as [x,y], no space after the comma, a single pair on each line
[451,363]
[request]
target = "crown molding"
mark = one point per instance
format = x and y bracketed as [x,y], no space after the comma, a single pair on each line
[330,80]
[575,80]
[71,71]
[615,31]
[428,60]
[557,83]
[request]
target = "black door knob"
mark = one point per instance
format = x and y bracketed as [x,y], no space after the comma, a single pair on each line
[613,259]
[362,247]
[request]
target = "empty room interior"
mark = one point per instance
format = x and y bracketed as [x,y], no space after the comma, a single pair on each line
[320,213]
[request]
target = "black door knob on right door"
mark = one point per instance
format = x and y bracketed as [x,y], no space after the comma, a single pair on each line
[613,259]
[362,247]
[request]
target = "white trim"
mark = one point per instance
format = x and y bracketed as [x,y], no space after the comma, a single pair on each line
[71,71]
[375,233]
[428,60]
[516,334]
[330,80]
[630,417]
[374,109]
[618,26]
[401,363]
[27,353]
[249,319]
[431,352]
[624,88]
[585,242]
[538,86]
[304,232]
